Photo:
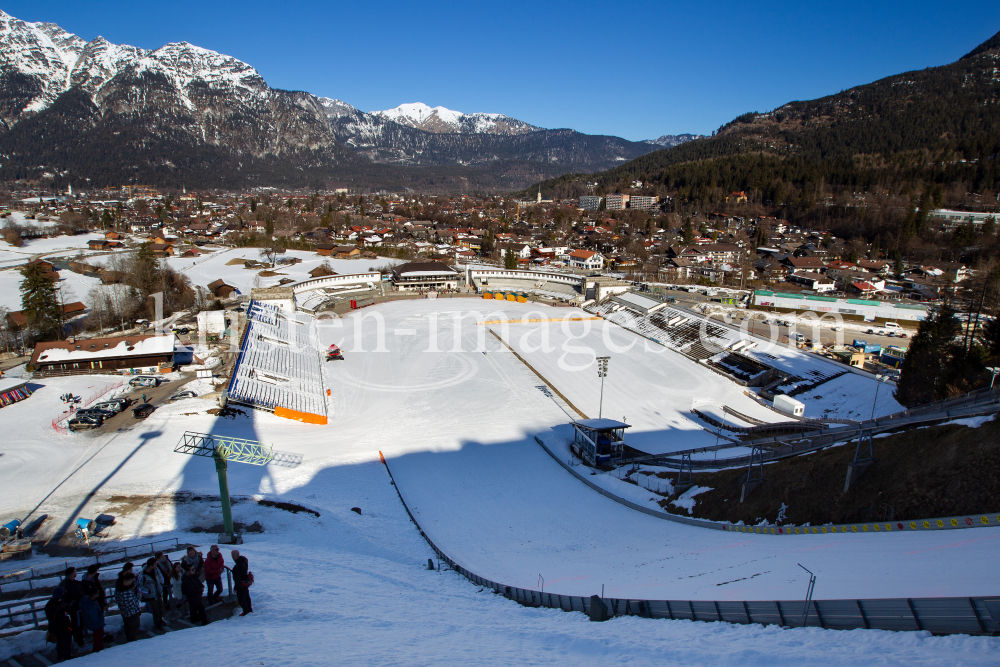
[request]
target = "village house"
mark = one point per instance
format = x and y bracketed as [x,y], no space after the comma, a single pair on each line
[103,354]
[221,290]
[586,259]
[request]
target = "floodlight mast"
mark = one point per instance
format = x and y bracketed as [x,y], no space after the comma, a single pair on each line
[223,449]
[602,372]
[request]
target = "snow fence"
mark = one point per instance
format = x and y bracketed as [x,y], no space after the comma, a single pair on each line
[972,615]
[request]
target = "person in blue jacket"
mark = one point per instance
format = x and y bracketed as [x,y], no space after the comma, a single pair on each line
[92,616]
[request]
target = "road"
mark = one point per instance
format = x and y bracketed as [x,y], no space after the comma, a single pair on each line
[157,396]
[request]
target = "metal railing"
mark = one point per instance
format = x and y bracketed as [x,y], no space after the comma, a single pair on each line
[29,613]
[965,615]
[35,576]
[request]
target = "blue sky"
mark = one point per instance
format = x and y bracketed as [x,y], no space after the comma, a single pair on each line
[632,69]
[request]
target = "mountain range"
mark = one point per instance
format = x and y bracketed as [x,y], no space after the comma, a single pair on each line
[938,126]
[75,111]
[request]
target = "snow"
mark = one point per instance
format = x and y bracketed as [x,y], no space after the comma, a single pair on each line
[457,427]
[850,397]
[438,119]
[59,60]
[72,286]
[972,422]
[652,388]
[417,113]
[211,267]
[687,499]
[48,245]
[154,345]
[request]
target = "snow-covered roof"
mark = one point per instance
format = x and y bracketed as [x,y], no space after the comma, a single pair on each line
[643,302]
[6,384]
[93,349]
[601,423]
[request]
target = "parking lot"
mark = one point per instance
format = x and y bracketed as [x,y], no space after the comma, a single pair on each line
[123,421]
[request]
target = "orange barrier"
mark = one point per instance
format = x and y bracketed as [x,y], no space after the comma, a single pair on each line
[305,417]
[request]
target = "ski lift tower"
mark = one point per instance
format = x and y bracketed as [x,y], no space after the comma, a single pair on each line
[224,449]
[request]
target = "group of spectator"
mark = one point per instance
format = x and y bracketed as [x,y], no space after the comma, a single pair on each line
[162,586]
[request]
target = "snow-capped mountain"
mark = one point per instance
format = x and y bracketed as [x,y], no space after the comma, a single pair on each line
[442,120]
[483,141]
[671,140]
[101,112]
[51,61]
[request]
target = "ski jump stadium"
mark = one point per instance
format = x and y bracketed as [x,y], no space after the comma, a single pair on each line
[447,403]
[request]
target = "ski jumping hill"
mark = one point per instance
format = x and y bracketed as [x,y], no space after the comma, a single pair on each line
[456,413]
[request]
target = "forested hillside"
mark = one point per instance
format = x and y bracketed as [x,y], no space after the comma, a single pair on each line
[865,158]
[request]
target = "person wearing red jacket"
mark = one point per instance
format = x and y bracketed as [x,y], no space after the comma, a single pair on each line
[215,563]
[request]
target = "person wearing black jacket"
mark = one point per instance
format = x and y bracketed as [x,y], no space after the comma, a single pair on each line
[241,581]
[59,623]
[192,589]
[93,580]
[74,591]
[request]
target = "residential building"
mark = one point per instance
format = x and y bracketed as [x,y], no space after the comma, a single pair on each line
[586,259]
[424,275]
[103,353]
[951,219]
[643,203]
[590,202]
[812,280]
[616,202]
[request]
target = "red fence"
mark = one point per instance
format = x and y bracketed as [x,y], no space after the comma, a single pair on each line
[58,423]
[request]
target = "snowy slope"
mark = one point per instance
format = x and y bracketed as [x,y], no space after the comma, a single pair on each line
[457,428]
[653,388]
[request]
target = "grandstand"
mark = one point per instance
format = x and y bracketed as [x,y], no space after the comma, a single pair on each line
[539,287]
[726,349]
[315,299]
[279,367]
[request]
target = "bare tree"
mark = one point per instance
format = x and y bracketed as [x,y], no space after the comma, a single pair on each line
[270,252]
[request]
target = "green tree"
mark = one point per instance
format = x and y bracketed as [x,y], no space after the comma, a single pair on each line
[488,244]
[989,227]
[40,304]
[145,269]
[931,359]
[688,231]
[990,339]
[509,259]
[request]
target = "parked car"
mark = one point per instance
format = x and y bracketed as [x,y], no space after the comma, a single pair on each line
[142,411]
[183,394]
[93,413]
[111,407]
[181,330]
[83,423]
[144,381]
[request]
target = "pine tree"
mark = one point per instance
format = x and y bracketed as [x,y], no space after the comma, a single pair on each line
[931,359]
[990,339]
[40,304]
[509,259]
